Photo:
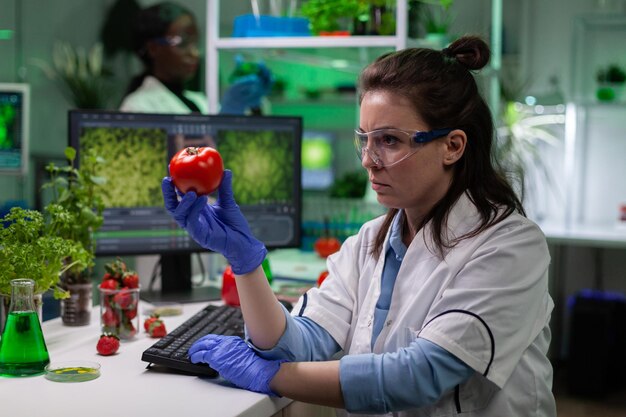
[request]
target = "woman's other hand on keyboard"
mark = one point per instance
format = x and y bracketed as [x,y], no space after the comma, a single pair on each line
[236,362]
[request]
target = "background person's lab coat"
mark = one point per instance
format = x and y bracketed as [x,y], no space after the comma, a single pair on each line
[154,97]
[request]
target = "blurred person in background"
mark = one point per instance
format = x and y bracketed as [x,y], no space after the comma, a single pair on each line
[166,40]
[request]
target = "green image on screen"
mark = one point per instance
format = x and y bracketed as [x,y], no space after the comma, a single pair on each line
[262,164]
[7,120]
[136,162]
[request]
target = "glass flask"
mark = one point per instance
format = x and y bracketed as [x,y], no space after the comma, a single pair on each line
[23,350]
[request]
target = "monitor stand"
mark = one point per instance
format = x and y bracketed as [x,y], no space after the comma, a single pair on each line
[176,283]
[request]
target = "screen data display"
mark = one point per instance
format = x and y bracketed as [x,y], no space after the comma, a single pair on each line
[13,128]
[264,153]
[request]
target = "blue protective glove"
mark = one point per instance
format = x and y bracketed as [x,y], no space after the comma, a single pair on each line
[236,362]
[219,227]
[247,92]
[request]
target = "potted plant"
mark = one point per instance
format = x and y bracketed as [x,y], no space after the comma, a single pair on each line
[611,81]
[333,17]
[76,192]
[523,137]
[436,19]
[382,19]
[30,248]
[80,74]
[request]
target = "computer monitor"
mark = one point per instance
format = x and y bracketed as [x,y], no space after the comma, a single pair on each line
[264,153]
[14,112]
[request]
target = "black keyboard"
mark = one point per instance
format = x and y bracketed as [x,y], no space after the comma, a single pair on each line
[171,350]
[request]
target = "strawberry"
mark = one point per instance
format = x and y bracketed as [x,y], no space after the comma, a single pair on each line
[109,284]
[157,328]
[110,318]
[149,321]
[125,299]
[108,344]
[130,280]
[131,313]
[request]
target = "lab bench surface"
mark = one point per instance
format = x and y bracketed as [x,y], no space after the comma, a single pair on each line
[125,386]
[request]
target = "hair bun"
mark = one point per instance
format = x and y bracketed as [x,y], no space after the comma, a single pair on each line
[470,51]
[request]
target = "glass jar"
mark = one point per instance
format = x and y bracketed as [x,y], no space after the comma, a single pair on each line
[119,312]
[23,350]
[76,310]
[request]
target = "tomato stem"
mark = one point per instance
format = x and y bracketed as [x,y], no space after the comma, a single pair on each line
[192,150]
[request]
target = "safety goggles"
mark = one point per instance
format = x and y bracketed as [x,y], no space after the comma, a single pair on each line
[387,147]
[183,43]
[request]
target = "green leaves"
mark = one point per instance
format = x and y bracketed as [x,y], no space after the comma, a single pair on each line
[29,249]
[70,154]
[350,185]
[42,246]
[76,210]
[436,16]
[79,73]
[324,15]
[613,73]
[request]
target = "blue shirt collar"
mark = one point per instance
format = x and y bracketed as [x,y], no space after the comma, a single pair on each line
[395,237]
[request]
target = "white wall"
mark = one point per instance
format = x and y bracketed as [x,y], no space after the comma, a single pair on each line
[550,28]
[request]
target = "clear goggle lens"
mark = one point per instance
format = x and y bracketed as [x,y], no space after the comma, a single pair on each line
[387,147]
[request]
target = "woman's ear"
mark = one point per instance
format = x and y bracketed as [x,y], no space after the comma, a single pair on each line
[455,143]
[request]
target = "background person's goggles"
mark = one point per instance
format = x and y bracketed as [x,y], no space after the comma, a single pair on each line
[387,147]
[183,43]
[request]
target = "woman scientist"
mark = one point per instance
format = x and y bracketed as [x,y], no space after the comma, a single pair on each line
[439,308]
[166,41]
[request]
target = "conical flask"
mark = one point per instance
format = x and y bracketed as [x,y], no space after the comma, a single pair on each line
[23,350]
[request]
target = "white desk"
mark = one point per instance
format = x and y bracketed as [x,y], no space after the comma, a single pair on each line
[125,387]
[598,236]
[560,238]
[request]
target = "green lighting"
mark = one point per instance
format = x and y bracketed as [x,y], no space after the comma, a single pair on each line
[5,34]
[316,154]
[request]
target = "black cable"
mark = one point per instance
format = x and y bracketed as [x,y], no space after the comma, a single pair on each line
[156,271]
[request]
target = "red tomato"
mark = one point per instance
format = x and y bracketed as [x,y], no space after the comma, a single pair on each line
[197,169]
[321,278]
[325,246]
[230,295]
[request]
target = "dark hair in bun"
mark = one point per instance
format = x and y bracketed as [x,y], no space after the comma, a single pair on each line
[470,51]
[441,87]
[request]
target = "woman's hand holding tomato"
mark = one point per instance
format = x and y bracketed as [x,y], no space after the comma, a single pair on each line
[197,169]
[220,226]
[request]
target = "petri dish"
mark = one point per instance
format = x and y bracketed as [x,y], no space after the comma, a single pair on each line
[164,309]
[72,371]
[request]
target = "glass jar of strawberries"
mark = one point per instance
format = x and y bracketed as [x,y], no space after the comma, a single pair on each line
[119,300]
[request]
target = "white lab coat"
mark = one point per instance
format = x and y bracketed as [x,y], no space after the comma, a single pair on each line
[154,97]
[487,303]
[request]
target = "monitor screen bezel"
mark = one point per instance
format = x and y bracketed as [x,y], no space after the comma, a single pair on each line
[75,115]
[24,90]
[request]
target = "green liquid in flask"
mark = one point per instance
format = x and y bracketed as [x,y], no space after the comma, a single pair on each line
[23,349]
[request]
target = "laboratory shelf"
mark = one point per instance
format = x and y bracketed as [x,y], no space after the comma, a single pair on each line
[310,42]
